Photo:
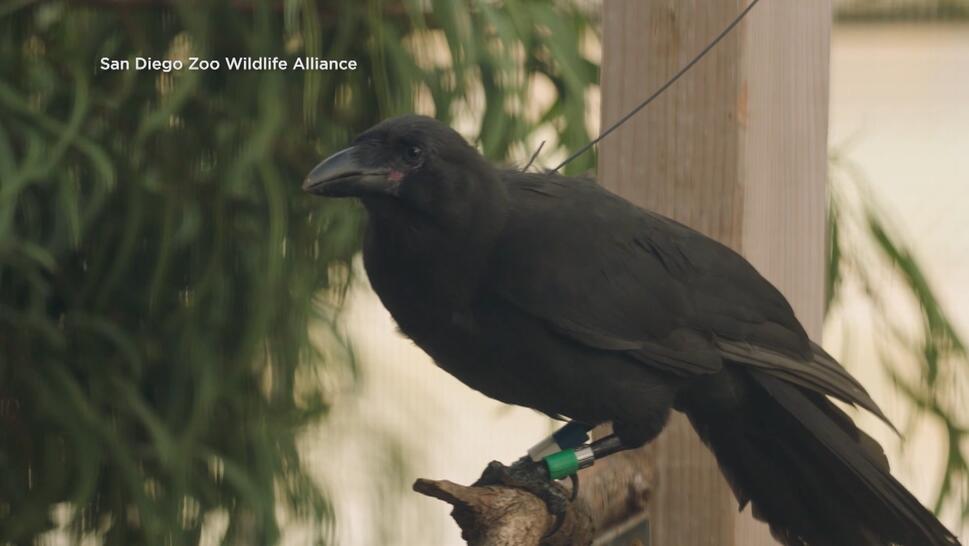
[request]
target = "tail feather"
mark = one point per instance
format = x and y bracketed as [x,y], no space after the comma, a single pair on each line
[810,473]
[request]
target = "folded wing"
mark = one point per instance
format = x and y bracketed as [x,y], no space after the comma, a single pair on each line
[615,277]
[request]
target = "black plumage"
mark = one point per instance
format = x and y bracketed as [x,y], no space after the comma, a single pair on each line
[552,293]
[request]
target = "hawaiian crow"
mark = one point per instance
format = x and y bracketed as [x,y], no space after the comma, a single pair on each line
[550,292]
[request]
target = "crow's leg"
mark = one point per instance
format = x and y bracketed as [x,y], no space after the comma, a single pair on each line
[531,472]
[531,476]
[572,434]
[528,475]
[538,476]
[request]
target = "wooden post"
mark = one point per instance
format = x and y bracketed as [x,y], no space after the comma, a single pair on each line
[738,150]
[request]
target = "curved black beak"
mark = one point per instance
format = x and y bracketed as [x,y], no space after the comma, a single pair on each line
[343,175]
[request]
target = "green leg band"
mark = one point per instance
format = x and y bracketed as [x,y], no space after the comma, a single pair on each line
[562,464]
[567,462]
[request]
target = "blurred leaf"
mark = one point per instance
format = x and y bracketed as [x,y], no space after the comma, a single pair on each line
[161,271]
[861,248]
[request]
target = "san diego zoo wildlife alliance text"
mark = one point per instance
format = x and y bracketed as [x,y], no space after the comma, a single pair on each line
[231,63]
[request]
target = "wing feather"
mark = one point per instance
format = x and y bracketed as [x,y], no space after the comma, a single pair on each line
[615,277]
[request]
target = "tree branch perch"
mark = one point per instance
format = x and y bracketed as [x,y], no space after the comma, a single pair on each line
[612,491]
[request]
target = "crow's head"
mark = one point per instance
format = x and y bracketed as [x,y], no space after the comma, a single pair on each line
[410,164]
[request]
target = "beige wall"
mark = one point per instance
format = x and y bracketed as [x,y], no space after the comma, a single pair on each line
[900,111]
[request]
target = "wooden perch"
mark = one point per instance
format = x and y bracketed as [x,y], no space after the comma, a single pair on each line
[610,492]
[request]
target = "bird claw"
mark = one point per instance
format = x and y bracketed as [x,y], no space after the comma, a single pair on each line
[574,478]
[529,476]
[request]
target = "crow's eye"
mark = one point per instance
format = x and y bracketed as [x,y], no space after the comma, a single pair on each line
[413,154]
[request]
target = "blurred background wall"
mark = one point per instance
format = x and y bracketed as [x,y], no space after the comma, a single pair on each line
[899,116]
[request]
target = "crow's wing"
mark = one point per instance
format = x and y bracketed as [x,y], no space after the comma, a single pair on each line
[616,277]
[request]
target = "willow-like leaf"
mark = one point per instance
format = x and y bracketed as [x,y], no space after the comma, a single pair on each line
[862,244]
[160,270]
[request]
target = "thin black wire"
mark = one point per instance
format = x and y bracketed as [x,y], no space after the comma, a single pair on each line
[534,157]
[659,91]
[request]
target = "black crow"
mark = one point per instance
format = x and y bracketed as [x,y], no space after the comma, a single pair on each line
[552,293]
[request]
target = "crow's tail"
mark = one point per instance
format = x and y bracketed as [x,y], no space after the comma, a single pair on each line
[809,472]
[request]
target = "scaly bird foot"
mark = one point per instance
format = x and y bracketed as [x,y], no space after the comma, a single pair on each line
[530,476]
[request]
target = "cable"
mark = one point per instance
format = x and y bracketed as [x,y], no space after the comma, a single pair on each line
[659,91]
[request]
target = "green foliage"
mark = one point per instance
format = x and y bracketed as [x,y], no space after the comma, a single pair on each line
[901,10]
[862,245]
[160,269]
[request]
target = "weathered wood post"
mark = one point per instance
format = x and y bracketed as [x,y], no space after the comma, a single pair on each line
[736,149]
